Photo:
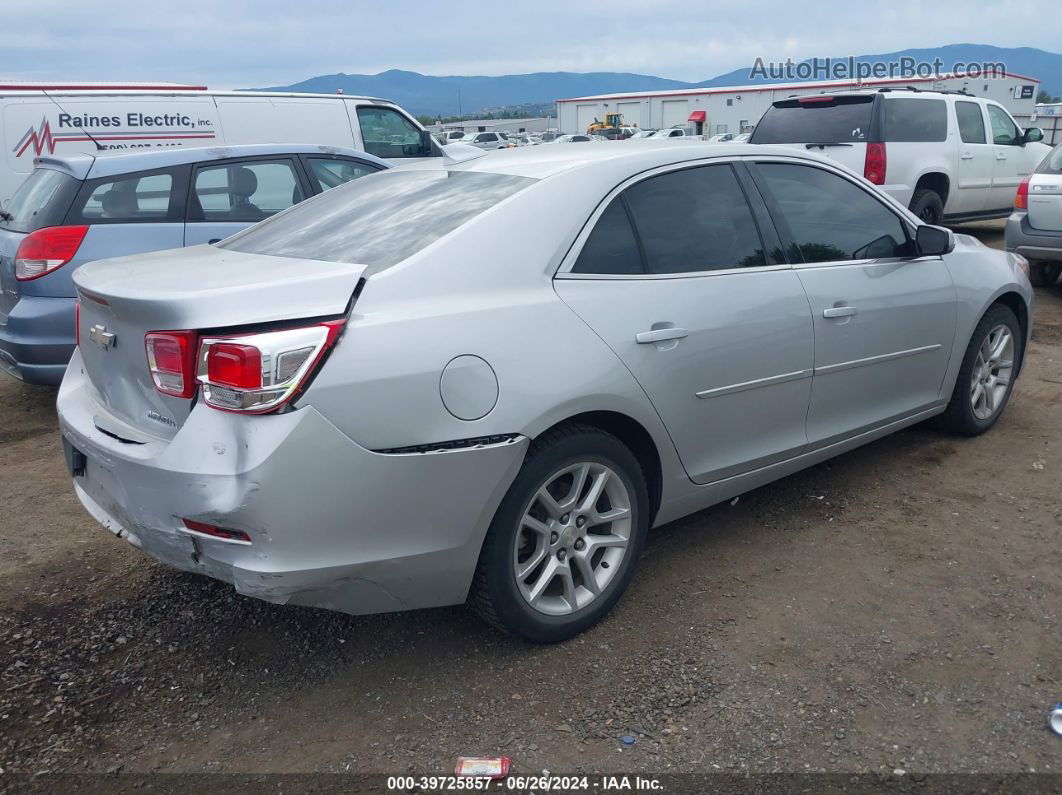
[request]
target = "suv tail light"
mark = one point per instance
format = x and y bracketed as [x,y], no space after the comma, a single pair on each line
[259,372]
[43,251]
[875,163]
[1021,198]
[171,360]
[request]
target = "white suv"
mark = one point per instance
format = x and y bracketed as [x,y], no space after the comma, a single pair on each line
[486,140]
[948,156]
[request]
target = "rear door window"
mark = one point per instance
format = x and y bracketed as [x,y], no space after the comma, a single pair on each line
[611,248]
[129,199]
[687,221]
[42,199]
[331,173]
[832,219]
[915,120]
[816,119]
[244,191]
[971,122]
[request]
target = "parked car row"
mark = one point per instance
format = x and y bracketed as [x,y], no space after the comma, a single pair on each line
[275,408]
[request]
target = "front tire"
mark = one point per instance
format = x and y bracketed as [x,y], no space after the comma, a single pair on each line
[928,206]
[986,377]
[565,541]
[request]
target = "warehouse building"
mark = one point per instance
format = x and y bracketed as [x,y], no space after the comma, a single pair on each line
[734,109]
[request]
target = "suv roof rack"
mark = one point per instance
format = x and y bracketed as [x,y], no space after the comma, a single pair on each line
[962,91]
[888,89]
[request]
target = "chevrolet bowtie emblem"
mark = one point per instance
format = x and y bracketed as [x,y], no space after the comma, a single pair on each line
[101,336]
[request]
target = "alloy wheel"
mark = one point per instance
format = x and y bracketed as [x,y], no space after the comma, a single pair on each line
[573,536]
[992,372]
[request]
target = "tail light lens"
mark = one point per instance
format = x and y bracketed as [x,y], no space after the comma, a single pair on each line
[171,360]
[875,163]
[1021,198]
[256,373]
[47,249]
[217,532]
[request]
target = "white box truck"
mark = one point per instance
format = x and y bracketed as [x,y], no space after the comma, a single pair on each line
[62,120]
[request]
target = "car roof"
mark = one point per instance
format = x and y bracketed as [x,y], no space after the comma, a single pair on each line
[540,162]
[113,162]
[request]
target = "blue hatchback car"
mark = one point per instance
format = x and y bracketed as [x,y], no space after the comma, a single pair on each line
[73,210]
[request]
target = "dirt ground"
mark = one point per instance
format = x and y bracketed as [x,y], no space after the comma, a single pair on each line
[899,607]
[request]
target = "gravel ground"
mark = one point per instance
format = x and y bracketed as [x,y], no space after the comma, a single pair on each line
[895,608]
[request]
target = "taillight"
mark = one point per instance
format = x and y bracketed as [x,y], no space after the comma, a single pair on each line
[217,532]
[43,251]
[260,372]
[1021,198]
[875,163]
[171,360]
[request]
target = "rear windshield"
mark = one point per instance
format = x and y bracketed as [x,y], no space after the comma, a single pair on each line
[42,200]
[378,220]
[816,120]
[1052,164]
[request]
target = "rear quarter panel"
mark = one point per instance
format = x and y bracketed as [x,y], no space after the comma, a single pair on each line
[981,276]
[485,291]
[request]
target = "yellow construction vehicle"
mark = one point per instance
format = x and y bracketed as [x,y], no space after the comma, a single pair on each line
[613,120]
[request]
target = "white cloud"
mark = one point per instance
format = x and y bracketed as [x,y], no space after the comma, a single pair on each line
[243,43]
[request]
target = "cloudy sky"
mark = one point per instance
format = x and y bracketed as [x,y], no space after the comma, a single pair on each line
[245,43]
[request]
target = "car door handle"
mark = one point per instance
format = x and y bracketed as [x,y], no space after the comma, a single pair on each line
[839,311]
[967,155]
[660,335]
[1001,155]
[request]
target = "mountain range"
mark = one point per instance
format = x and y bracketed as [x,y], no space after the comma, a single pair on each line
[456,95]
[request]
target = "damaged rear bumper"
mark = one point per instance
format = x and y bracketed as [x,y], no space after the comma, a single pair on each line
[330,523]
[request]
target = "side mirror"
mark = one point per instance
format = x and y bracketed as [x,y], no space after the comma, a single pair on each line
[1032,135]
[934,241]
[425,142]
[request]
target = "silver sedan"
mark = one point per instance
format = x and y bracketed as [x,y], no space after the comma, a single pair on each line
[485,381]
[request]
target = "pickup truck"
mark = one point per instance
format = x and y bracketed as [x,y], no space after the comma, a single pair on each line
[948,156]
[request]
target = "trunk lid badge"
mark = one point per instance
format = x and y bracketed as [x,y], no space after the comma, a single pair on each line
[101,336]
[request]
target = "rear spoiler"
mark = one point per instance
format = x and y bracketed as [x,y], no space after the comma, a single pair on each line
[823,99]
[77,166]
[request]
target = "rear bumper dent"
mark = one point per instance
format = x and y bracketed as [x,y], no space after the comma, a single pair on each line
[332,524]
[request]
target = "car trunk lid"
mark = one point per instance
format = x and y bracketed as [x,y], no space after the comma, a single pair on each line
[201,289]
[1045,202]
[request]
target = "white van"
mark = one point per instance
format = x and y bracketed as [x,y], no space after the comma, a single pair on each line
[37,122]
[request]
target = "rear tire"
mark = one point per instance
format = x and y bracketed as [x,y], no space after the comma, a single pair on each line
[928,206]
[1044,274]
[585,562]
[980,394]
